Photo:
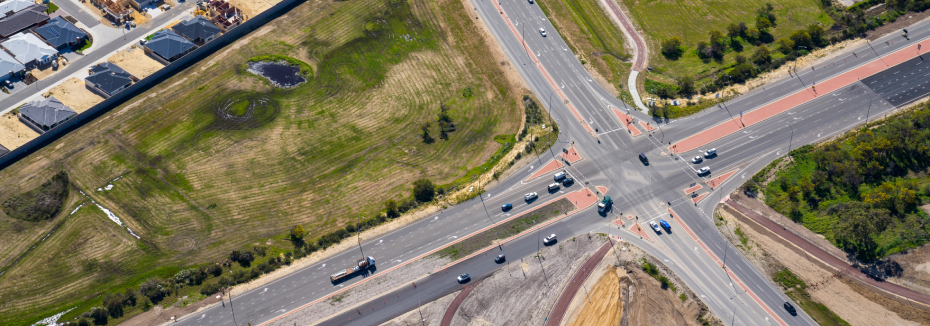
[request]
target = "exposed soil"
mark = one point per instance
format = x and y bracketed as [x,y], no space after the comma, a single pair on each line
[429,314]
[897,26]
[135,62]
[159,315]
[842,298]
[14,133]
[74,93]
[251,8]
[915,269]
[622,294]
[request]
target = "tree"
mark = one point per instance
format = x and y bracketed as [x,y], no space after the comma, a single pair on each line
[426,137]
[742,28]
[717,43]
[801,38]
[99,315]
[686,85]
[733,31]
[113,304]
[702,50]
[671,48]
[816,33]
[763,23]
[785,45]
[83,322]
[767,12]
[153,289]
[390,208]
[423,190]
[761,56]
[442,130]
[297,235]
[740,59]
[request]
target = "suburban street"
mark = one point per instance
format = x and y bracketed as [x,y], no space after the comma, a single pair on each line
[738,294]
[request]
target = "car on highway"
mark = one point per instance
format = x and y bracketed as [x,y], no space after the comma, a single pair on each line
[550,239]
[530,196]
[542,32]
[531,1]
[553,187]
[568,181]
[500,259]
[710,153]
[665,225]
[507,207]
[703,170]
[655,226]
[790,309]
[559,176]
[642,158]
[697,159]
[463,278]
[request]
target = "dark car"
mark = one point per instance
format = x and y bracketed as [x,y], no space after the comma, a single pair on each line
[500,259]
[790,309]
[568,181]
[506,207]
[665,225]
[642,158]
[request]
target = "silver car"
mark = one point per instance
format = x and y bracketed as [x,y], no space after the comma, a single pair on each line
[530,196]
[697,159]
[550,239]
[542,32]
[703,171]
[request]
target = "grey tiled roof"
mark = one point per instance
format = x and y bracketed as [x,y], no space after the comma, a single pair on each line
[196,29]
[59,31]
[27,47]
[14,6]
[169,44]
[22,20]
[109,78]
[46,113]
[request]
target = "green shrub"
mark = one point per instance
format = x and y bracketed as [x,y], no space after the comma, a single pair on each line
[41,203]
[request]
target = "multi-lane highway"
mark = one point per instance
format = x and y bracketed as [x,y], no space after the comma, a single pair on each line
[742,296]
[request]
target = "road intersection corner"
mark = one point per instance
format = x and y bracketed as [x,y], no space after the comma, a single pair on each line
[693,189]
[716,182]
[647,126]
[601,189]
[572,155]
[549,167]
[699,197]
[638,230]
[627,122]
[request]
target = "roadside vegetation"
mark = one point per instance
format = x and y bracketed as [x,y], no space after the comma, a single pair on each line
[864,191]
[41,203]
[795,288]
[214,160]
[594,37]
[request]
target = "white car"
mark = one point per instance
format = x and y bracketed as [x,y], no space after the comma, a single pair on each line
[710,152]
[655,227]
[542,32]
[703,171]
[530,196]
[550,239]
[697,159]
[559,176]
[553,186]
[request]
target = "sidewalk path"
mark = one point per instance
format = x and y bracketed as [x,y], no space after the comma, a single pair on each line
[803,96]
[558,311]
[826,257]
[454,306]
[639,50]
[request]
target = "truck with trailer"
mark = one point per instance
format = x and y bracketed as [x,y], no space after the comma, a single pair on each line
[604,204]
[362,265]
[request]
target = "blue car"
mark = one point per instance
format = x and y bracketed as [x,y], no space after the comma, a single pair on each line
[506,207]
[665,225]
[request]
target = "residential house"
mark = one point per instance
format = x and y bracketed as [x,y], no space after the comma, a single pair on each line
[198,30]
[9,67]
[23,19]
[60,33]
[43,115]
[107,79]
[10,7]
[167,46]
[29,50]
[225,16]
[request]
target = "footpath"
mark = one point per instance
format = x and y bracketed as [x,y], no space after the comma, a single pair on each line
[558,311]
[828,259]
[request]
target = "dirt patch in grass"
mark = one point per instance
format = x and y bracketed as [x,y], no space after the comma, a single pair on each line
[14,133]
[506,230]
[251,7]
[74,93]
[135,62]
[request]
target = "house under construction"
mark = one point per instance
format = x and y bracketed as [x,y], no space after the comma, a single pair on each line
[117,10]
[224,15]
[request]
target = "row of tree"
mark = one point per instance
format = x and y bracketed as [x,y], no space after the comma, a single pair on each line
[861,191]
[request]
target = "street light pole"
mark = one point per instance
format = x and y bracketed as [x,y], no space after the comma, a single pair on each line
[869,109]
[482,199]
[358,234]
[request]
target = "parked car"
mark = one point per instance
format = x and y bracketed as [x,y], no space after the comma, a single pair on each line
[507,207]
[655,227]
[697,159]
[559,176]
[550,239]
[530,196]
[710,152]
[553,186]
[790,309]
[568,181]
[665,225]
[500,259]
[463,278]
[542,32]
[703,171]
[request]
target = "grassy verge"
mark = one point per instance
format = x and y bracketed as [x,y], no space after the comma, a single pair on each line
[52,7]
[506,230]
[797,290]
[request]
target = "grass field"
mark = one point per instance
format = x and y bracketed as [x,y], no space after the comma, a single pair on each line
[593,37]
[214,159]
[692,21]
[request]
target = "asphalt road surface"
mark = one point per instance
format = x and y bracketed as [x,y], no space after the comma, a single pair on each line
[610,160]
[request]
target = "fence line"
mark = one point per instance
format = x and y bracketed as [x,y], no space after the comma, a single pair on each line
[146,83]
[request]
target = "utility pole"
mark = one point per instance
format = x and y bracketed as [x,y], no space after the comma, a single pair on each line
[482,199]
[869,109]
[552,126]
[230,296]
[358,233]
